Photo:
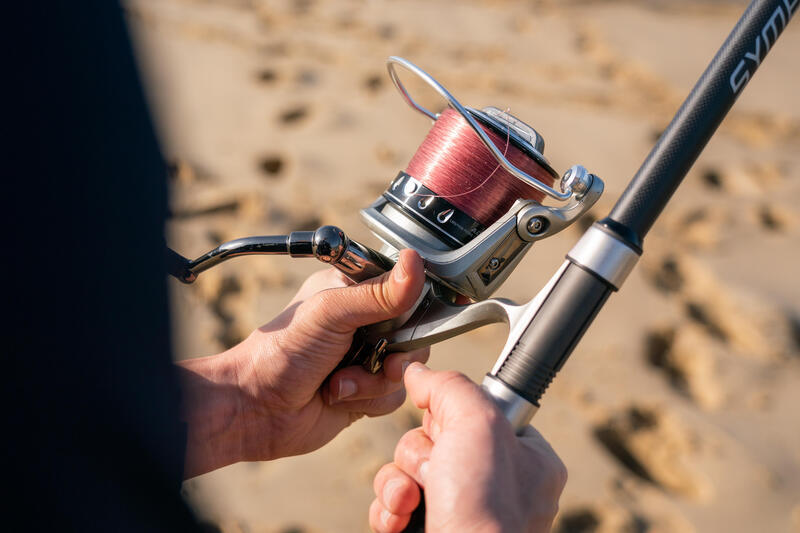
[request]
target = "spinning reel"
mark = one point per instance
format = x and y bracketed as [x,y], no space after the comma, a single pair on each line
[468,203]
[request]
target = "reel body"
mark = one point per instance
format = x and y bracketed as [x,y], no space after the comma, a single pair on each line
[468,203]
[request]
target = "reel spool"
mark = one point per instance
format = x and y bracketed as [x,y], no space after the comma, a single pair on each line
[469,200]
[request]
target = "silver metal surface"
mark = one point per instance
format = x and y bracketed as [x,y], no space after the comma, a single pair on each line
[471,269]
[405,224]
[516,409]
[459,269]
[435,320]
[264,245]
[353,259]
[609,258]
[510,127]
[530,135]
[555,219]
[452,102]
[535,225]
[578,179]
[329,244]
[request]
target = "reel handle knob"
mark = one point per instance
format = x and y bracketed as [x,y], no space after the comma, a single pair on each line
[330,245]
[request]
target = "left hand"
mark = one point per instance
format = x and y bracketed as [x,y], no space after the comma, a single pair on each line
[268,397]
[477,474]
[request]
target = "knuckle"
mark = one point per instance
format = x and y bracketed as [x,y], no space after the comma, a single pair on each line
[374,514]
[381,294]
[354,416]
[403,452]
[322,308]
[383,474]
[491,417]
[317,304]
[383,386]
[452,382]
[451,378]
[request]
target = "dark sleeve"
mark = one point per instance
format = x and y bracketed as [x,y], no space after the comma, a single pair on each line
[92,433]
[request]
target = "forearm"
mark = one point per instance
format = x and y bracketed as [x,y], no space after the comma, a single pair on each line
[212,407]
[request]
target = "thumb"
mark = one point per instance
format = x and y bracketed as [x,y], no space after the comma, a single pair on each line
[386,296]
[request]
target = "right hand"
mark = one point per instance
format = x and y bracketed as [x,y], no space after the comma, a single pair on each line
[477,474]
[273,395]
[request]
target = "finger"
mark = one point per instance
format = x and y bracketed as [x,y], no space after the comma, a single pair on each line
[382,520]
[355,383]
[451,397]
[387,296]
[412,454]
[546,456]
[531,437]
[375,406]
[396,491]
[329,278]
[394,365]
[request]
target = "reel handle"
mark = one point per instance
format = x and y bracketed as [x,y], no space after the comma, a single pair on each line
[328,244]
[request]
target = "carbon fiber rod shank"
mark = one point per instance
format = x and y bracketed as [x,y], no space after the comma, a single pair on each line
[698,118]
[602,259]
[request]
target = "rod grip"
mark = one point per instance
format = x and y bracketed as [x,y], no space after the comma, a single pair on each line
[554,332]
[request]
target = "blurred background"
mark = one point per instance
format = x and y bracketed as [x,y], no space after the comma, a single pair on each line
[678,410]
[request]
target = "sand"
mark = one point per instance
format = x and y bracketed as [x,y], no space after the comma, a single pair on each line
[678,410]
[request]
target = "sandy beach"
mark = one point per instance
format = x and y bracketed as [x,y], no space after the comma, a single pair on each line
[678,411]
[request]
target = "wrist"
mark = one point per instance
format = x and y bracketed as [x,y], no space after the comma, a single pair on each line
[211,407]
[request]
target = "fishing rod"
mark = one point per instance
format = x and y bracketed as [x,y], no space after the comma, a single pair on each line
[469,202]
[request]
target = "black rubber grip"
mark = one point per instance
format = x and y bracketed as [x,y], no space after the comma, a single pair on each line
[553,332]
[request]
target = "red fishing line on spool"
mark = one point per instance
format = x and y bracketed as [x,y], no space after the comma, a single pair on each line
[454,163]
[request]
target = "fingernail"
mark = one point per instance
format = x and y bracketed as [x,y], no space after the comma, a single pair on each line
[423,471]
[405,365]
[385,517]
[347,387]
[389,491]
[399,272]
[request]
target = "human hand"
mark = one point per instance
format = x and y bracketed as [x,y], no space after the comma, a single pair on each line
[477,474]
[268,396]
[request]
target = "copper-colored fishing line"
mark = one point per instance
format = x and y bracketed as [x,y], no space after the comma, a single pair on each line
[481,184]
[453,162]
